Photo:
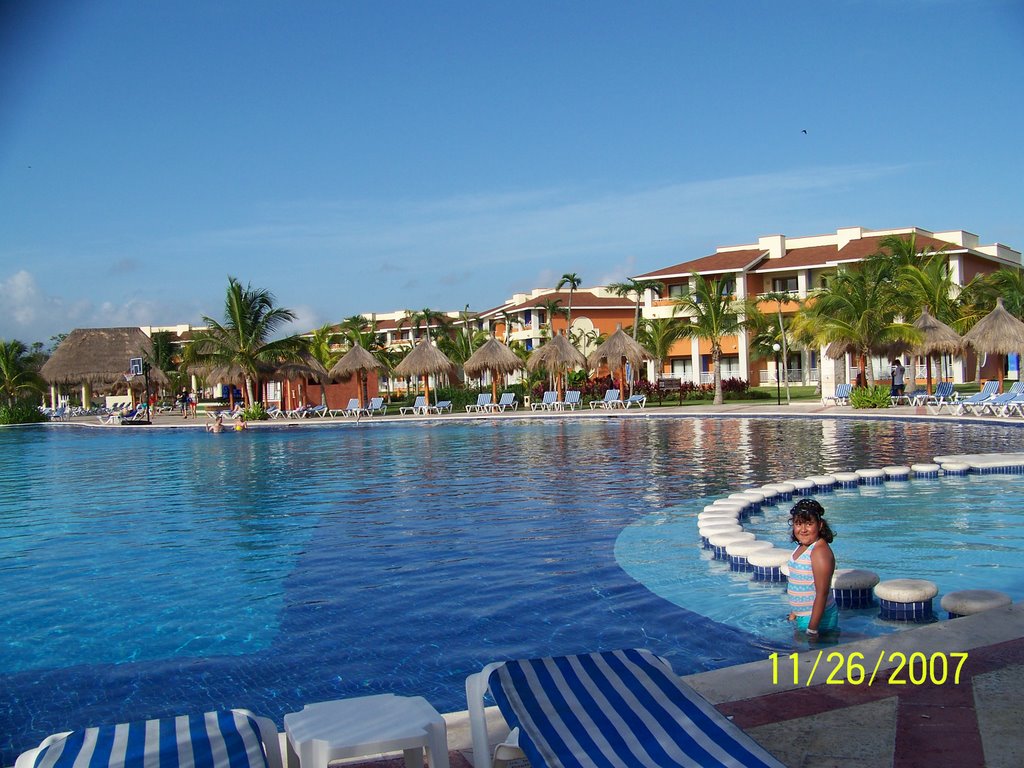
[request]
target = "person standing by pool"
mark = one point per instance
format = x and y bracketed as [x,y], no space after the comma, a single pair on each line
[810,571]
[896,372]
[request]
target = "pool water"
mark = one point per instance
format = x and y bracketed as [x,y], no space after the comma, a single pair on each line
[154,572]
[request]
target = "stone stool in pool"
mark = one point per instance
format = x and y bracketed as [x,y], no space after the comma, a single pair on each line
[739,552]
[768,564]
[906,599]
[719,541]
[854,588]
[970,601]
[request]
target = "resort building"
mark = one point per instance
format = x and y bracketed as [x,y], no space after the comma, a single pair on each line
[796,267]
[530,318]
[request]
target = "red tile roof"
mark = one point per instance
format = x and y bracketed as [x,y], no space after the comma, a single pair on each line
[726,261]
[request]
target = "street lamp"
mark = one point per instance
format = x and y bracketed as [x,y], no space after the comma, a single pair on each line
[778,392]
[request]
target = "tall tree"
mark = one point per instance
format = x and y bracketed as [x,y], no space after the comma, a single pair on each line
[658,336]
[861,310]
[778,297]
[712,314]
[572,281]
[552,308]
[636,289]
[243,341]
[16,376]
[425,318]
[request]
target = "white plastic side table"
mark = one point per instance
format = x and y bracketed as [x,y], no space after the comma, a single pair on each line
[334,730]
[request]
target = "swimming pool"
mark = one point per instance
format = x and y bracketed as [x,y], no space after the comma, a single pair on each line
[153,572]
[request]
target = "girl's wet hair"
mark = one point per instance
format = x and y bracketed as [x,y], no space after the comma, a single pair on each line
[807,510]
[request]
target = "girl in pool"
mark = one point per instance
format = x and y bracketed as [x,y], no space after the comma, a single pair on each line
[810,571]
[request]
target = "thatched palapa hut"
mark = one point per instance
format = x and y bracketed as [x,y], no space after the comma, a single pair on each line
[997,333]
[495,357]
[557,356]
[425,360]
[937,338]
[357,361]
[617,350]
[97,358]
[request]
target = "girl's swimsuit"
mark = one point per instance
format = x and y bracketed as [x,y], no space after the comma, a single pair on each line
[801,594]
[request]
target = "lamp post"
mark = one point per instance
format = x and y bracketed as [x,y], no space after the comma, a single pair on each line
[778,392]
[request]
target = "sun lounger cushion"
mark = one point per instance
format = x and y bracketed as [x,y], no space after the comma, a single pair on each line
[616,708]
[213,740]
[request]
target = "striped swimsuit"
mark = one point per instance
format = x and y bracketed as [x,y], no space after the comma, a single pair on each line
[801,594]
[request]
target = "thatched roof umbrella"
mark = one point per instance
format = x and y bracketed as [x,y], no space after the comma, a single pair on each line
[99,357]
[936,338]
[557,356]
[425,360]
[495,357]
[998,333]
[617,350]
[358,361]
[307,367]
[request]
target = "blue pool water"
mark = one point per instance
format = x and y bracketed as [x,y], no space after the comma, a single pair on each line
[151,572]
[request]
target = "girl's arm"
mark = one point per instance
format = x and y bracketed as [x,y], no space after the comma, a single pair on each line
[823,565]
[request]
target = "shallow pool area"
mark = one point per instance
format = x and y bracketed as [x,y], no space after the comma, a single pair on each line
[155,572]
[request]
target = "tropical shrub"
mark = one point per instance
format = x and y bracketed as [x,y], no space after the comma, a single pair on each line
[23,411]
[870,397]
[255,412]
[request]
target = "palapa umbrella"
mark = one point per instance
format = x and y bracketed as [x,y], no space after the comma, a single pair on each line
[99,357]
[308,367]
[495,357]
[425,360]
[998,333]
[617,350]
[937,338]
[557,356]
[357,361]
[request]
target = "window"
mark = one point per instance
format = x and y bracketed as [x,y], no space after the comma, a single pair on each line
[785,285]
[682,368]
[678,290]
[728,285]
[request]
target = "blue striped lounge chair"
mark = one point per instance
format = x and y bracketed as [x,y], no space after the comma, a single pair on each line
[943,397]
[232,739]
[482,401]
[611,400]
[988,391]
[349,410]
[640,400]
[507,400]
[441,407]
[419,406]
[546,403]
[572,399]
[615,708]
[376,406]
[840,397]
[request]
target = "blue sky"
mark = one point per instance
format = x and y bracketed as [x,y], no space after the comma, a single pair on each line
[357,157]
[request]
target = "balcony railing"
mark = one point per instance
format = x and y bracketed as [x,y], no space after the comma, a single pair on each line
[794,375]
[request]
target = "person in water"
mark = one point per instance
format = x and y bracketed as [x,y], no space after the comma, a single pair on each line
[217,427]
[810,571]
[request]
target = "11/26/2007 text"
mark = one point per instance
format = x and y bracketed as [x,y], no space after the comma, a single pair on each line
[855,669]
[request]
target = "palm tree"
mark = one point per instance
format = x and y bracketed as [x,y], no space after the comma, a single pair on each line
[321,353]
[552,307]
[861,310]
[507,317]
[242,343]
[425,317]
[712,315]
[573,281]
[658,336]
[778,297]
[903,250]
[16,376]
[636,288]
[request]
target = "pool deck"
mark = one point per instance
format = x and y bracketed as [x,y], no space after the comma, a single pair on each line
[902,719]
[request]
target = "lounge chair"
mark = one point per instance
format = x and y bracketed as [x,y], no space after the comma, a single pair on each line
[232,739]
[482,402]
[944,396]
[640,400]
[572,399]
[840,397]
[988,391]
[507,400]
[916,397]
[616,708]
[545,404]
[420,406]
[611,400]
[316,410]
[376,406]
[276,413]
[351,409]
[441,407]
